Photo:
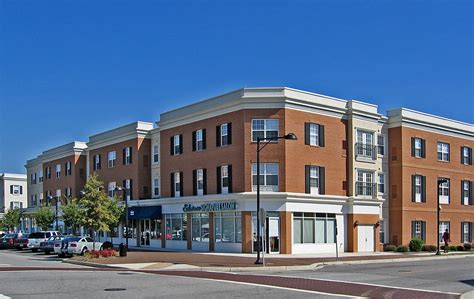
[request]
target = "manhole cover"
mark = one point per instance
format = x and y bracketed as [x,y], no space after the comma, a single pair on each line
[126,273]
[114,289]
[404,271]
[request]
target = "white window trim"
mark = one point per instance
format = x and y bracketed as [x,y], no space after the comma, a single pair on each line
[177,191]
[111,189]
[418,196]
[264,186]
[199,138]
[314,190]
[418,147]
[443,150]
[383,145]
[314,135]
[465,155]
[265,127]
[128,155]
[156,184]
[465,187]
[223,135]
[444,199]
[200,177]
[384,182]
[224,174]
[156,154]
[176,145]
[58,170]
[111,159]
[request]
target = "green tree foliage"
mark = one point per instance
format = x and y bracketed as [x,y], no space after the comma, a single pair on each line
[116,212]
[12,219]
[44,216]
[73,215]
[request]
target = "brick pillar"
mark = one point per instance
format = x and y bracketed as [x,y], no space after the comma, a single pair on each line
[351,234]
[247,232]
[211,232]
[189,234]
[286,233]
[376,237]
[163,231]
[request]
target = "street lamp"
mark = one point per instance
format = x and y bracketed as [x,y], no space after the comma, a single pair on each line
[440,181]
[290,136]
[124,195]
[57,199]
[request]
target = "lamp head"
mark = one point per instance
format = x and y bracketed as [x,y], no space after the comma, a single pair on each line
[118,188]
[290,136]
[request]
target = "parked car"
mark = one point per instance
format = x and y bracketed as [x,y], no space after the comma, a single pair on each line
[21,243]
[35,239]
[79,245]
[48,246]
[8,241]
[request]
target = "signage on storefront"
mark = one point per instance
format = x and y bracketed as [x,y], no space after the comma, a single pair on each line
[211,207]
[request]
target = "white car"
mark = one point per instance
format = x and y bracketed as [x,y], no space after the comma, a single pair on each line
[35,239]
[79,245]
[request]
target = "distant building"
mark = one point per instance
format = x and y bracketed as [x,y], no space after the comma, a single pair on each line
[12,192]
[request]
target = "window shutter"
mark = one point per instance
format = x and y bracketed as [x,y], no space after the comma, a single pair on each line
[413,193]
[194,182]
[229,133]
[423,148]
[11,189]
[423,230]
[93,163]
[321,135]
[100,162]
[130,192]
[172,185]
[180,143]
[462,155]
[449,191]
[124,151]
[218,136]
[412,229]
[194,141]
[204,178]
[449,152]
[229,177]
[307,187]
[21,189]
[130,148]
[413,149]
[470,156]
[204,139]
[181,184]
[322,180]
[306,133]
[462,192]
[423,189]
[171,146]
[470,192]
[218,182]
[65,169]
[462,232]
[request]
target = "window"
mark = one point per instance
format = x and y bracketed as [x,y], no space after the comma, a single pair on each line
[418,147]
[127,155]
[268,176]
[418,229]
[128,193]
[58,170]
[199,137]
[228,227]
[111,189]
[381,183]
[314,228]
[48,172]
[111,157]
[365,144]
[67,192]
[314,177]
[16,189]
[443,151]
[444,192]
[68,167]
[176,227]
[177,184]
[156,187]
[264,129]
[364,183]
[466,232]
[97,162]
[443,227]
[156,154]
[466,155]
[199,184]
[418,186]
[314,134]
[224,134]
[40,176]
[33,178]
[466,192]
[381,144]
[176,145]
[16,205]
[200,227]
[382,232]
[225,179]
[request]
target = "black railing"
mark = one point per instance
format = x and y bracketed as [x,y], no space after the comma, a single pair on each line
[366,189]
[364,150]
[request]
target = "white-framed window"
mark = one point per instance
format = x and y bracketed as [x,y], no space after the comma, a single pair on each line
[381,144]
[58,193]
[465,192]
[128,189]
[381,182]
[444,192]
[200,182]
[16,189]
[111,159]
[443,226]
[268,177]
[418,147]
[156,187]
[365,144]
[176,145]
[40,176]
[33,178]
[58,170]
[48,172]
[313,134]
[313,228]
[200,227]
[228,227]
[41,198]
[97,162]
[15,205]
[199,140]
[418,188]
[224,134]
[365,183]
[111,189]
[466,155]
[68,168]
[128,155]
[225,179]
[177,184]
[176,226]
[314,179]
[156,154]
[466,233]
[67,192]
[264,128]
[443,151]
[418,228]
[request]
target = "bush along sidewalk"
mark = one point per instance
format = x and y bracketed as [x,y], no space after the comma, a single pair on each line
[415,245]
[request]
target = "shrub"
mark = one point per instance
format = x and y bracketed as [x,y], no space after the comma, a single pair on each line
[467,246]
[452,248]
[389,247]
[442,248]
[433,248]
[107,245]
[402,248]
[101,253]
[429,248]
[460,248]
[415,244]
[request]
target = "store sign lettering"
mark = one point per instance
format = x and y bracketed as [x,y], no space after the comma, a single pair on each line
[211,207]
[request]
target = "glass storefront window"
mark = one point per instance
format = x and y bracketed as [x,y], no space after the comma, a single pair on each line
[131,229]
[156,229]
[316,228]
[176,227]
[228,227]
[200,227]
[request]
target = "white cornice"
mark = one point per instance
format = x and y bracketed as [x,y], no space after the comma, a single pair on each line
[133,130]
[70,149]
[13,176]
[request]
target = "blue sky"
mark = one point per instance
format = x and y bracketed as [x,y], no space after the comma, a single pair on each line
[70,69]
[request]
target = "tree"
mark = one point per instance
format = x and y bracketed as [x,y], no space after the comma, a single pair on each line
[44,216]
[97,207]
[12,219]
[73,215]
[116,212]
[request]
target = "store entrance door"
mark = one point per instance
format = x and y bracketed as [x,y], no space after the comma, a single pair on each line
[273,234]
[145,232]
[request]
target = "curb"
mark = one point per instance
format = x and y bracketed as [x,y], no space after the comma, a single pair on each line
[95,265]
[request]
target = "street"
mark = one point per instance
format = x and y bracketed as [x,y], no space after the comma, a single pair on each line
[34,275]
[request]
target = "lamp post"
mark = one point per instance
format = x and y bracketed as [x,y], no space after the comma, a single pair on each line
[290,136]
[124,196]
[57,199]
[440,181]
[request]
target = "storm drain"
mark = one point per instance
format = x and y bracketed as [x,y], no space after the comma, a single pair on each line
[114,289]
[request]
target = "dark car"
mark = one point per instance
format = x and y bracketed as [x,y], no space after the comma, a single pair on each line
[8,241]
[48,246]
[21,243]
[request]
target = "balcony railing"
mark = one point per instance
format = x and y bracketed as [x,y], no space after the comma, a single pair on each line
[366,151]
[366,189]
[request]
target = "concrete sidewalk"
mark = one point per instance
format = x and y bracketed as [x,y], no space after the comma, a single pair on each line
[242,262]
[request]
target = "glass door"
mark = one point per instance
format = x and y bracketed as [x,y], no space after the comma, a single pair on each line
[273,234]
[145,232]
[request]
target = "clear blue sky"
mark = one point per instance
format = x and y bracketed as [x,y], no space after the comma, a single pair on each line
[69,69]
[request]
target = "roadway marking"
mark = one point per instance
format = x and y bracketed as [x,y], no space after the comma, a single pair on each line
[4,297]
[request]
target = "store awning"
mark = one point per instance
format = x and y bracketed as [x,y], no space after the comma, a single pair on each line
[144,212]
